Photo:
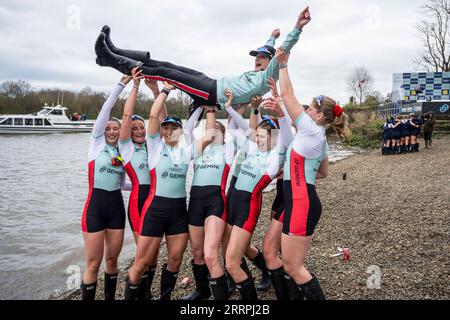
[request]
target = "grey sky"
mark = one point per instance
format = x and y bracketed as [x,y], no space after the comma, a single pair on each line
[50,43]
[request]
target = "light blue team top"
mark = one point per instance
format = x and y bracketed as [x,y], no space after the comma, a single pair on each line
[251,83]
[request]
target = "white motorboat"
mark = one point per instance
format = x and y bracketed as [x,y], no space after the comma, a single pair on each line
[47,120]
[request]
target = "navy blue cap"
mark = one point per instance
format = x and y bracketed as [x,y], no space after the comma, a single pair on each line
[174,120]
[267,50]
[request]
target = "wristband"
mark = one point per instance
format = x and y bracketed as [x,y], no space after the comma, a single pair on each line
[166,91]
[282,66]
[256,111]
[211,111]
[136,87]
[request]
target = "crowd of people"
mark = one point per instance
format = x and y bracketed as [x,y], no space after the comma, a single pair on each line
[217,222]
[401,133]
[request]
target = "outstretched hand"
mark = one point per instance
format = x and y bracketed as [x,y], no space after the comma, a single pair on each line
[137,76]
[229,94]
[152,85]
[282,56]
[273,105]
[303,18]
[126,79]
[271,83]
[256,102]
[168,86]
[276,33]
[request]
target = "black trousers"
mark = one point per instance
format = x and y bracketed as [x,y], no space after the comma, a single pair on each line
[201,88]
[427,135]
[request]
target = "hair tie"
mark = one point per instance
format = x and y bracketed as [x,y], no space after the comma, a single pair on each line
[338,111]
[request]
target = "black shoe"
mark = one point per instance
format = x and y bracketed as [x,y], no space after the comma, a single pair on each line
[260,263]
[110,286]
[88,291]
[106,58]
[219,287]
[231,285]
[143,287]
[143,56]
[247,289]
[279,283]
[131,290]
[312,290]
[168,280]
[293,290]
[202,290]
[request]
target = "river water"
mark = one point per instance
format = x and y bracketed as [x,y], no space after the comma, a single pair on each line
[43,187]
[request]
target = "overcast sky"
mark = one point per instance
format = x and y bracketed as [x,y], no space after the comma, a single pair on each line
[51,43]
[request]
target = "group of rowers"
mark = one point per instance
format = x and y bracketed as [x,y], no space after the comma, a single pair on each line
[218,223]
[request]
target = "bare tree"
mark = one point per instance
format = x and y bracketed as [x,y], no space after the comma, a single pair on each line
[434,30]
[360,83]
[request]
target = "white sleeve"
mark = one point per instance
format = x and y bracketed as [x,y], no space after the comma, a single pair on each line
[190,125]
[285,135]
[240,122]
[189,153]
[105,112]
[126,149]
[306,125]
[276,161]
[154,147]
[230,151]
[309,138]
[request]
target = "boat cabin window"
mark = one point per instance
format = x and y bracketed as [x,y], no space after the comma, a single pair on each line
[38,122]
[28,122]
[7,122]
[47,123]
[57,112]
[18,122]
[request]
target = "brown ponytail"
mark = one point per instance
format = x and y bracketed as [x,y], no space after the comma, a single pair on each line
[334,117]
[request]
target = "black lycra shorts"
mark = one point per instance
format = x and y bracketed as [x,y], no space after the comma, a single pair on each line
[103,210]
[244,209]
[204,202]
[162,215]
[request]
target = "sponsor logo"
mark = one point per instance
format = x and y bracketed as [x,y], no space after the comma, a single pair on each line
[143,166]
[165,155]
[177,176]
[208,166]
[297,173]
[249,174]
[165,174]
[444,108]
[102,169]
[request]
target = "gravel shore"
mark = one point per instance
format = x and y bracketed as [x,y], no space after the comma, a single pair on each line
[393,214]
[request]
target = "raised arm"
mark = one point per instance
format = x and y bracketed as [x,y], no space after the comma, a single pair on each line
[255,119]
[105,112]
[293,107]
[125,131]
[191,124]
[273,37]
[292,38]
[286,136]
[158,105]
[240,122]
[153,86]
[208,136]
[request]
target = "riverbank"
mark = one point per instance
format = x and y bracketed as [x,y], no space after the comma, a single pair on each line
[393,214]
